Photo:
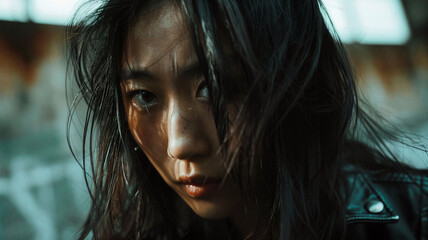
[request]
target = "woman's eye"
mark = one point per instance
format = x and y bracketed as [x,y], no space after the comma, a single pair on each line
[203,91]
[144,99]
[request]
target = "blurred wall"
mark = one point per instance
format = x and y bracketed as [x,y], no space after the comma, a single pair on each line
[42,193]
[395,80]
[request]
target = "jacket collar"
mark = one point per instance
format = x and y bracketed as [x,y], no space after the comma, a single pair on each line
[366,203]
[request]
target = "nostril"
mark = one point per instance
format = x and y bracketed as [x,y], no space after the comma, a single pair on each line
[170,154]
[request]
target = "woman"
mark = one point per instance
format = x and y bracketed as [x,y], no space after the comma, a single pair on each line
[232,120]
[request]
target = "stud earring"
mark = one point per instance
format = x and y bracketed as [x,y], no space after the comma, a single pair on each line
[136,148]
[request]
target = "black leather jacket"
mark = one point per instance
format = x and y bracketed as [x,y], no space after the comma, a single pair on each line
[387,206]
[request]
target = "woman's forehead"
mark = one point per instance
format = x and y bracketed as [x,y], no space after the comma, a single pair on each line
[166,20]
[158,35]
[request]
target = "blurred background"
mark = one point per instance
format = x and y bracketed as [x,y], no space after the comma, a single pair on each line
[42,191]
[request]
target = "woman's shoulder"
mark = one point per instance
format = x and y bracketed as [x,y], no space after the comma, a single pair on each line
[385,203]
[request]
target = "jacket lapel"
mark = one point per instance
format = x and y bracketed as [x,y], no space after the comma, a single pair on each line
[365,204]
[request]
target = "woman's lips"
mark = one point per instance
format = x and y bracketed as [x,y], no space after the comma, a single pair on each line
[197,187]
[202,190]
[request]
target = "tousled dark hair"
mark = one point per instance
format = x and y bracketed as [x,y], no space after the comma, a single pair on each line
[297,114]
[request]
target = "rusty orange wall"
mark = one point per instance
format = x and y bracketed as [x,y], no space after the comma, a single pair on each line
[395,80]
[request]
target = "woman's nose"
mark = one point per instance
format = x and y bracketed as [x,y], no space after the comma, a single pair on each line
[187,137]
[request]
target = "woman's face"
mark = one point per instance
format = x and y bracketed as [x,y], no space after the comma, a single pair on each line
[167,107]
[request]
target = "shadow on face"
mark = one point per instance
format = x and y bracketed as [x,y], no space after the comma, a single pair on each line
[168,112]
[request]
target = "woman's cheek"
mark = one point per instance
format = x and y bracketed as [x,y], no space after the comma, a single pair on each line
[143,133]
[148,135]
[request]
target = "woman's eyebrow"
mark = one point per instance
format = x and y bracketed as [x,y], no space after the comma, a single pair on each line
[127,74]
[184,72]
[189,70]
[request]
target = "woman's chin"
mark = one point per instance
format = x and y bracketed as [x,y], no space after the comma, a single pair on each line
[213,208]
[211,212]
